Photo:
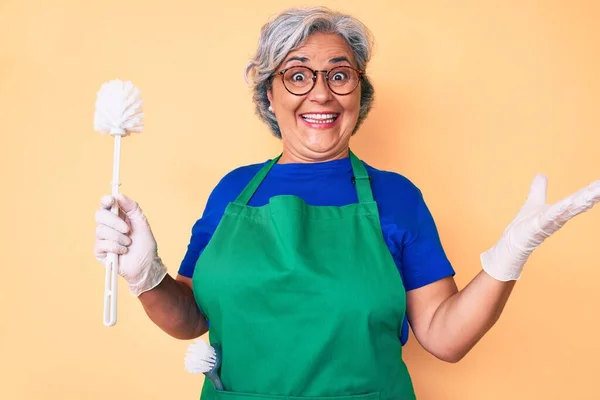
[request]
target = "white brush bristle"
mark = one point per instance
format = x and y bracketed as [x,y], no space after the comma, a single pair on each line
[118,108]
[200,357]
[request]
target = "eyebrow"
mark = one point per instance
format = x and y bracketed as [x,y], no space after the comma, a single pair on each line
[334,60]
[296,58]
[339,60]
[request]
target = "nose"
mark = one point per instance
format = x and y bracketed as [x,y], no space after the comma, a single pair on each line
[321,93]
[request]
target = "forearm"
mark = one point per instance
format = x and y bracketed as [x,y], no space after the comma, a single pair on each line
[172,307]
[464,318]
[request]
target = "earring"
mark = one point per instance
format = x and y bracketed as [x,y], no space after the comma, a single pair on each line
[270,108]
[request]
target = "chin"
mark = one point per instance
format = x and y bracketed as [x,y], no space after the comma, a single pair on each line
[322,144]
[324,149]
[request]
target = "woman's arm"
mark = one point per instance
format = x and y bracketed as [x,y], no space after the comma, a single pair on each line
[448,322]
[169,303]
[172,307]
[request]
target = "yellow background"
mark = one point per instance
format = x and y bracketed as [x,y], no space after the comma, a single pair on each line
[473,98]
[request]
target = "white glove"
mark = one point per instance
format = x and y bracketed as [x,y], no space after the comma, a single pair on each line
[533,224]
[132,239]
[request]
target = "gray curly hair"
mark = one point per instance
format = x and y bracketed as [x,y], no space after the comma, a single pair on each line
[288,31]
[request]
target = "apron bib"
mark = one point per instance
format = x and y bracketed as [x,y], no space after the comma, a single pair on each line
[305,301]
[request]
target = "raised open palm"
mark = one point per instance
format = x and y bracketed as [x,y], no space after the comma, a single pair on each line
[536,221]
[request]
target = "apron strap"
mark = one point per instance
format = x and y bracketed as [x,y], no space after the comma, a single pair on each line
[249,190]
[361,179]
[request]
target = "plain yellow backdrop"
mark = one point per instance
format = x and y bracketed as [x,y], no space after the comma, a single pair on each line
[473,99]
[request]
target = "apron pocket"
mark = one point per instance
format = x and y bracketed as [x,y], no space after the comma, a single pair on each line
[225,395]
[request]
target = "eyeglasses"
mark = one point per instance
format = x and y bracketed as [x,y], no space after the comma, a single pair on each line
[299,80]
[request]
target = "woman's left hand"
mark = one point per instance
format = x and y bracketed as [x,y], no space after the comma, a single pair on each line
[535,222]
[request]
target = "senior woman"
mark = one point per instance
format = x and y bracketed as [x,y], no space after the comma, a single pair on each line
[310,266]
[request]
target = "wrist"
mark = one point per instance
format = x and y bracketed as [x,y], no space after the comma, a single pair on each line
[503,263]
[148,278]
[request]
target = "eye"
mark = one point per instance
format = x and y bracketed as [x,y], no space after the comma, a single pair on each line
[298,77]
[339,76]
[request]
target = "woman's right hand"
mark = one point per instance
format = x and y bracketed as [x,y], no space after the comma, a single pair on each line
[131,238]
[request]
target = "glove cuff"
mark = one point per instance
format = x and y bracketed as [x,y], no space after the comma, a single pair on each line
[498,268]
[149,278]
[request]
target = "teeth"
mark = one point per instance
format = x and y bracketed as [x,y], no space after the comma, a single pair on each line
[319,116]
[319,121]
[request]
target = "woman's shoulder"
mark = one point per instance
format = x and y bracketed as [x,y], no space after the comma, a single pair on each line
[392,183]
[241,174]
[232,183]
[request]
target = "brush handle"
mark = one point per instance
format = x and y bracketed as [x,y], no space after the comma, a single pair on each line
[216,381]
[213,374]
[112,266]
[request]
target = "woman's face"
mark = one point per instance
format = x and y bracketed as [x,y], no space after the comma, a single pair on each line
[317,126]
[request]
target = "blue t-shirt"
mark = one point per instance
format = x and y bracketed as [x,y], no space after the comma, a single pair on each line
[408,227]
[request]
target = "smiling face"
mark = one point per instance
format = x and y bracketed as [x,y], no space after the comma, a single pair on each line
[316,126]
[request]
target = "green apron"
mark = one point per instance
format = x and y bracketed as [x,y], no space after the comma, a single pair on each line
[305,301]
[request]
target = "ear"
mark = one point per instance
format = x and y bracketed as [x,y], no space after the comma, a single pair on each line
[270,97]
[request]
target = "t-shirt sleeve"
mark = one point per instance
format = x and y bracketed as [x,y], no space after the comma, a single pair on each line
[226,191]
[202,231]
[424,260]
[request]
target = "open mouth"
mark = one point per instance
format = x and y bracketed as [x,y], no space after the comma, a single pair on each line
[320,118]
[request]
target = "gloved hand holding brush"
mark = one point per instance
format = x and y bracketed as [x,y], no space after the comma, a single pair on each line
[131,238]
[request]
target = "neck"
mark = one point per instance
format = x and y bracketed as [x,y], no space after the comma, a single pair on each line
[289,156]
